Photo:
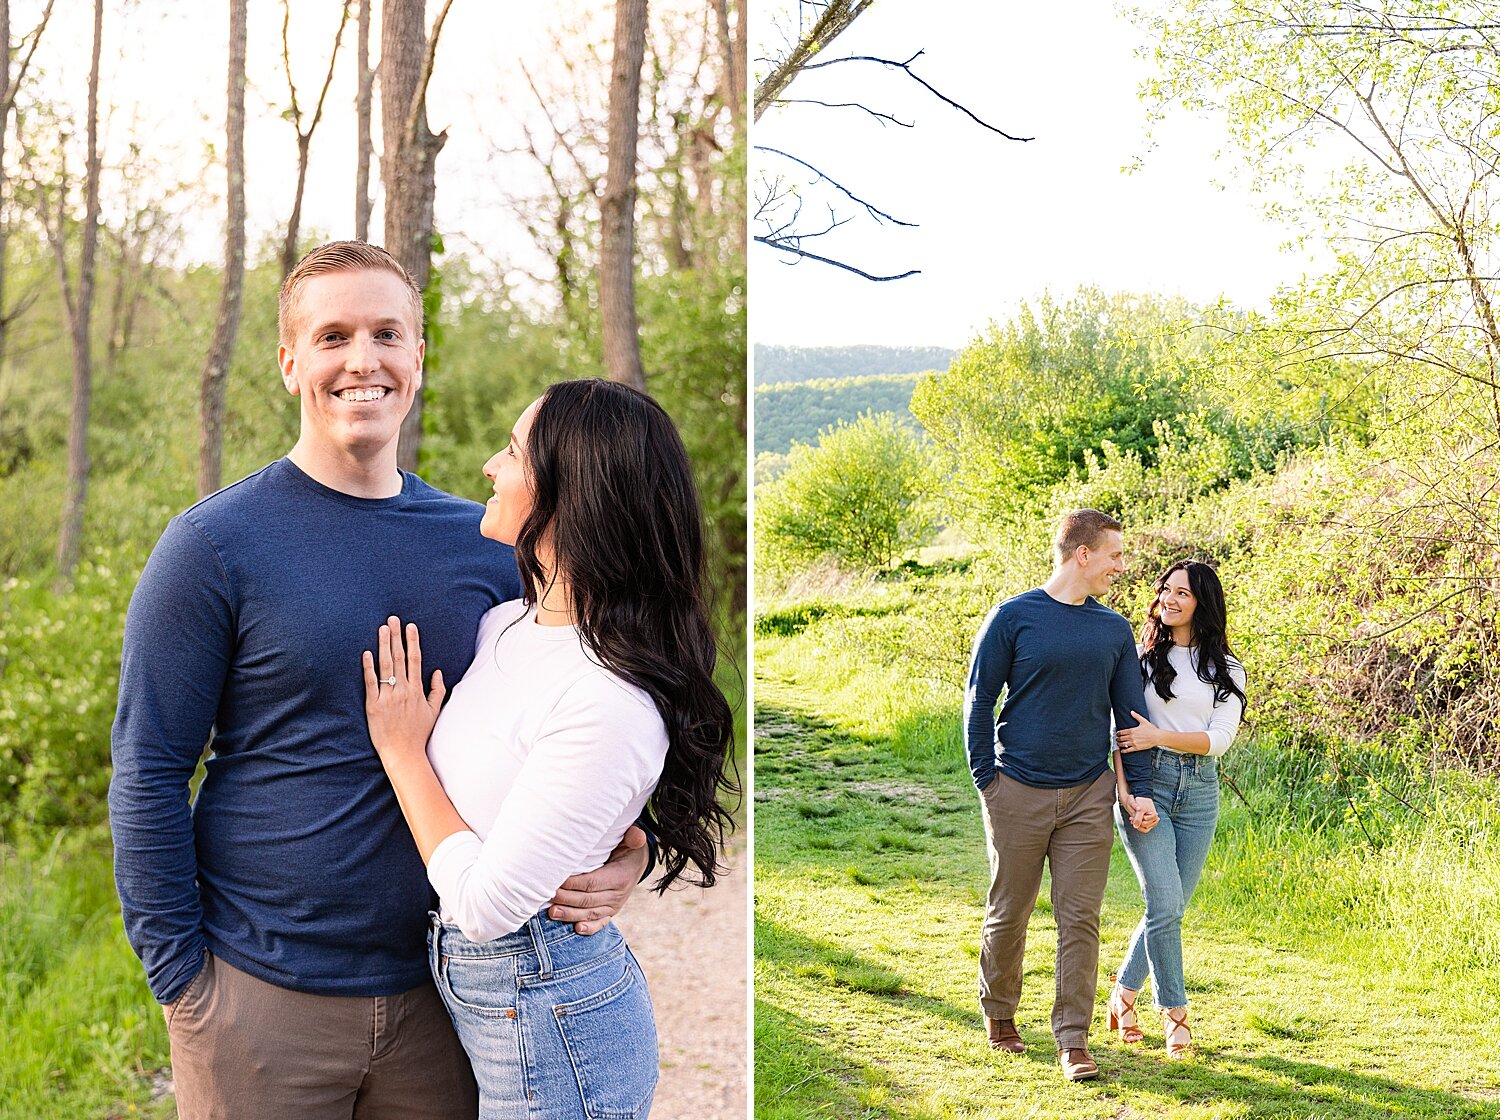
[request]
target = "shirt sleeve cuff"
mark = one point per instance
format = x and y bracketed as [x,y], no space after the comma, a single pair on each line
[445,870]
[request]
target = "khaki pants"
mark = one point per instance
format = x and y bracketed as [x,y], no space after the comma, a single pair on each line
[243,1048]
[1072,831]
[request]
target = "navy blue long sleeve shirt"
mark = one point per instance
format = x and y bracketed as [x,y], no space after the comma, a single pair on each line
[248,623]
[1063,668]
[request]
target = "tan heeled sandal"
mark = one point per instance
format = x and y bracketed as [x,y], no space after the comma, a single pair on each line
[1174,1025]
[1121,1014]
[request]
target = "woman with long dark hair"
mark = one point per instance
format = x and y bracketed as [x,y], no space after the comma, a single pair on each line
[1195,703]
[590,705]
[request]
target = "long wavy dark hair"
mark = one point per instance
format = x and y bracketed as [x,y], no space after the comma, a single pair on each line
[1210,626]
[612,492]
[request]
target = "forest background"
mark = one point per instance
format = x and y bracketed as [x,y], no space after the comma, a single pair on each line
[1334,450]
[146,221]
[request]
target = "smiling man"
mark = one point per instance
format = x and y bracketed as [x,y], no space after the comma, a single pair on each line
[1064,662]
[282,918]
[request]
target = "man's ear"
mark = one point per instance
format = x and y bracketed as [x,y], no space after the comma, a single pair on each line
[421,354]
[285,359]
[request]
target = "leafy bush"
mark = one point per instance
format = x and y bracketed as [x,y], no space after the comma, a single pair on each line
[793,618]
[1118,402]
[861,496]
[59,668]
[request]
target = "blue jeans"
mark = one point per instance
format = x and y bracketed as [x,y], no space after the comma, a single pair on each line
[558,1026]
[1168,861]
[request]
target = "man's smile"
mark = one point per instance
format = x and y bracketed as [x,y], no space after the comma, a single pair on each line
[368,393]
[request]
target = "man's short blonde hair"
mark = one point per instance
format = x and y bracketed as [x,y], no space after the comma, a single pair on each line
[340,256]
[1083,528]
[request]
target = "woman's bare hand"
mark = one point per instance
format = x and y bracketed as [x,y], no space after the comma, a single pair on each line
[1141,737]
[401,713]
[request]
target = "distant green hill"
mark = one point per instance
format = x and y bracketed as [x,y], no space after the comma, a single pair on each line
[775,364]
[799,410]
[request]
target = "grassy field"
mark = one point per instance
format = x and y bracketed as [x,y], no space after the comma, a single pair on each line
[83,1038]
[1329,977]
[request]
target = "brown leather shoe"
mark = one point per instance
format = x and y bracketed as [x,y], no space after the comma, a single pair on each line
[1004,1036]
[1077,1064]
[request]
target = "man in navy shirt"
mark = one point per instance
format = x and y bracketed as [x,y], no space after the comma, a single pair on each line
[282,919]
[1065,663]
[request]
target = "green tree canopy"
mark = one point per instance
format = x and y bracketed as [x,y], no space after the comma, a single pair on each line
[859,497]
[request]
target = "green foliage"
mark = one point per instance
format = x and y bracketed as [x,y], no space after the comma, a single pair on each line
[795,412]
[693,346]
[1201,454]
[860,497]
[794,618]
[1349,597]
[1111,401]
[774,364]
[1022,405]
[59,663]
[1373,133]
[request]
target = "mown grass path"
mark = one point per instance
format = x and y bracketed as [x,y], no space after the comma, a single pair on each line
[870,880]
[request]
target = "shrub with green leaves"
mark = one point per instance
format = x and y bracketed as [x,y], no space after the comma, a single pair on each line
[59,668]
[860,497]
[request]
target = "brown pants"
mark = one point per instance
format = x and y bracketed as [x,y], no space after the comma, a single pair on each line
[1072,831]
[243,1048]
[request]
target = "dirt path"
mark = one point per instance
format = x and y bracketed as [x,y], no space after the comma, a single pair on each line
[692,945]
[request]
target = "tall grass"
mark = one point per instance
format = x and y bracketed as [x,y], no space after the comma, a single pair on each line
[79,1039]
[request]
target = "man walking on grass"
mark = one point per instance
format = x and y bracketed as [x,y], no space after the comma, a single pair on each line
[1064,661]
[282,920]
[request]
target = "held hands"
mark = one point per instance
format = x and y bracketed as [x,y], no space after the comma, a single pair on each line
[590,900]
[400,714]
[1140,810]
[1142,737]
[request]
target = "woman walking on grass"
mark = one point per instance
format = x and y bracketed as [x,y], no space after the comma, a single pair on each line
[590,704]
[1195,702]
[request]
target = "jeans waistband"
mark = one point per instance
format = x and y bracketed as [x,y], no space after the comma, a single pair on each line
[1195,762]
[540,935]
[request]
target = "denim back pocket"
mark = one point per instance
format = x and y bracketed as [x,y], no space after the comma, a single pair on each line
[611,1043]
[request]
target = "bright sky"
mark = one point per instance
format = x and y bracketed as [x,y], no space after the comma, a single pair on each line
[1002,222]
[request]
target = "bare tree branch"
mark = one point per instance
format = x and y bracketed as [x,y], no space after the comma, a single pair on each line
[784,247]
[419,97]
[882,117]
[836,17]
[874,211]
[910,73]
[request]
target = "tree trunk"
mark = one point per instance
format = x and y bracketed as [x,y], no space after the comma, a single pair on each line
[304,138]
[216,364]
[362,141]
[7,100]
[732,49]
[69,540]
[9,84]
[622,347]
[409,163]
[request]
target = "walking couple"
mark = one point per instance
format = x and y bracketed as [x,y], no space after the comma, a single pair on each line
[1067,665]
[309,620]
